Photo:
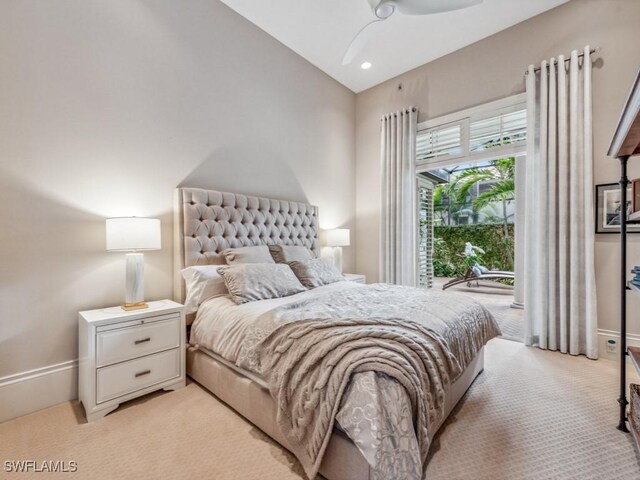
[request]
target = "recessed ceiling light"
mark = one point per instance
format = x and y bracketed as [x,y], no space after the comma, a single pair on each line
[365,65]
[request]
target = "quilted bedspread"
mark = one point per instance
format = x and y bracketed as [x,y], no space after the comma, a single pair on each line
[375,359]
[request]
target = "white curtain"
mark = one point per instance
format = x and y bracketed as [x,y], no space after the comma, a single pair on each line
[398,229]
[560,291]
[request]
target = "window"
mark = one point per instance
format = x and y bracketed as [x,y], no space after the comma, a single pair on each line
[477,146]
[498,131]
[437,143]
[487,132]
[425,233]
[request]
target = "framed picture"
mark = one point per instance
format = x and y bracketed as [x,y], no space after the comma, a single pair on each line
[608,209]
[635,188]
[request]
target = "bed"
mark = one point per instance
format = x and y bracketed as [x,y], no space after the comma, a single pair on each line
[206,223]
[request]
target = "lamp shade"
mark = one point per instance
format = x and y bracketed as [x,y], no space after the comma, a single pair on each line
[338,237]
[133,233]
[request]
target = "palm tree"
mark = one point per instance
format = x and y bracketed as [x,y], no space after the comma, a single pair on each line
[451,210]
[502,173]
[493,214]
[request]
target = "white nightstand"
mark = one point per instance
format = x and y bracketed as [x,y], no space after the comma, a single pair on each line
[124,355]
[354,277]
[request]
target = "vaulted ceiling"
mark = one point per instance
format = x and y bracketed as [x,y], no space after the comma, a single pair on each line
[321,30]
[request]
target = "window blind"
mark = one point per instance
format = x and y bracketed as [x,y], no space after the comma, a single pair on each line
[425,237]
[438,143]
[478,134]
[497,131]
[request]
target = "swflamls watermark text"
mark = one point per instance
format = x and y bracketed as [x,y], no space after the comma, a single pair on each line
[40,466]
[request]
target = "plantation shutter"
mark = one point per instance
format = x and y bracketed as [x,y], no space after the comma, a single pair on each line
[439,143]
[478,134]
[497,131]
[425,237]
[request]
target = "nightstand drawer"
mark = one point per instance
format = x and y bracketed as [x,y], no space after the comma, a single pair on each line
[132,342]
[123,378]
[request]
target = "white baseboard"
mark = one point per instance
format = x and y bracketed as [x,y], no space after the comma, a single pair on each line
[34,390]
[633,340]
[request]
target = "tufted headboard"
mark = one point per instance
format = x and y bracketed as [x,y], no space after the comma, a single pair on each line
[207,221]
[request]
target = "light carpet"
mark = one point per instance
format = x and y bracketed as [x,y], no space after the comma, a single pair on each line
[497,298]
[531,414]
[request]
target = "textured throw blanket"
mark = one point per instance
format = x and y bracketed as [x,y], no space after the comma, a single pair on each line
[309,351]
[311,362]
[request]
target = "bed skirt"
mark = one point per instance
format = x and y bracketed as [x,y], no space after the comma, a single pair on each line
[342,459]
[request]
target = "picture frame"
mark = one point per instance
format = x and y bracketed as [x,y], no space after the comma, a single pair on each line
[607,208]
[635,189]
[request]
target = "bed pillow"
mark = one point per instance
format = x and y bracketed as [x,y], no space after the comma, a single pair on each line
[259,281]
[290,253]
[316,272]
[202,282]
[257,254]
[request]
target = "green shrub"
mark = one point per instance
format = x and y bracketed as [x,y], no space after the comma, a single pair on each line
[449,244]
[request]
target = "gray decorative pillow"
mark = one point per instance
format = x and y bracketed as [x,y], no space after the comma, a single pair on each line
[259,281]
[316,272]
[257,254]
[290,253]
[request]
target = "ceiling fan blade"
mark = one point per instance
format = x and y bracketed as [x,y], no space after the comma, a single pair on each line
[426,7]
[359,41]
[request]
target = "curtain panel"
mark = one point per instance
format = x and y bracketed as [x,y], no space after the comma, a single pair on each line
[398,230]
[560,291]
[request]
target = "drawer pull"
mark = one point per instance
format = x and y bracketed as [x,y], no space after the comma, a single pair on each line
[138,342]
[140,374]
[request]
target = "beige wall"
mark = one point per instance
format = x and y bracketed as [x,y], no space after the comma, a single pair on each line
[492,69]
[105,108]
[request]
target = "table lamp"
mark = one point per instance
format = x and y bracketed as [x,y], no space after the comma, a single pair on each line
[337,238]
[133,234]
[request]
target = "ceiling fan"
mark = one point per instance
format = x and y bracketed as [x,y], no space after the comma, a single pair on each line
[383,9]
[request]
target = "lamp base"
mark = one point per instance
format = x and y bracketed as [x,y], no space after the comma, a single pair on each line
[134,293]
[337,258]
[135,306]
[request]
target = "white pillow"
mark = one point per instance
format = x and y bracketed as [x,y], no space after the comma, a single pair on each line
[202,282]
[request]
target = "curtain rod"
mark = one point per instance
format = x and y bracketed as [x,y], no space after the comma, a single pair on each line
[568,59]
[395,114]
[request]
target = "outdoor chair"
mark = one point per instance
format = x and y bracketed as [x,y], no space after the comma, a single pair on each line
[478,272]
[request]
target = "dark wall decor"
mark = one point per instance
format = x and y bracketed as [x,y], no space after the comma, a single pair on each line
[608,209]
